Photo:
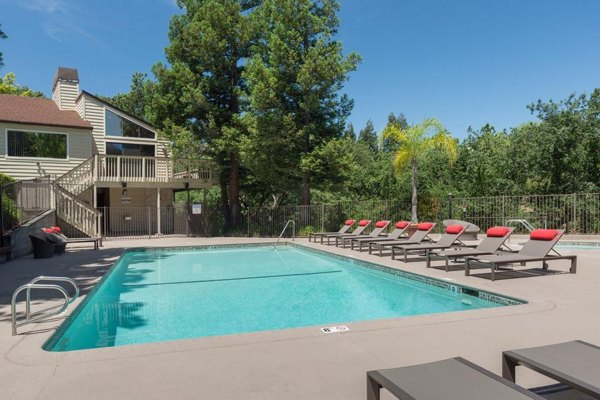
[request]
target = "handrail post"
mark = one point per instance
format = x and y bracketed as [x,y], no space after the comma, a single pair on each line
[283,231]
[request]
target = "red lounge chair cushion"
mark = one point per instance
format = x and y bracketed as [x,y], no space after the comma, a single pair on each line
[497,231]
[454,229]
[381,224]
[402,224]
[56,229]
[48,230]
[349,222]
[363,222]
[425,226]
[543,234]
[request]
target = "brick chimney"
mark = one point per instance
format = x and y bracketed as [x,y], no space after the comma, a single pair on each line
[65,88]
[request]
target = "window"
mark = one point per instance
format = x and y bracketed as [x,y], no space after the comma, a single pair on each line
[36,144]
[129,149]
[118,126]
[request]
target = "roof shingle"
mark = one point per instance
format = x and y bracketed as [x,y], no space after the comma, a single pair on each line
[38,111]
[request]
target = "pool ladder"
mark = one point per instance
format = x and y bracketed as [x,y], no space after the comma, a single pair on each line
[283,231]
[523,222]
[46,313]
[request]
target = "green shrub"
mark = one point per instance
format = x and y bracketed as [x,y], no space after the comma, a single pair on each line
[306,230]
[5,179]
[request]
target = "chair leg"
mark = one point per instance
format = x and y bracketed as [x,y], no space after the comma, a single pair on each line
[509,369]
[373,389]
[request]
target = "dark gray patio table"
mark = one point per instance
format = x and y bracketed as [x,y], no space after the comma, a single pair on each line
[575,364]
[451,379]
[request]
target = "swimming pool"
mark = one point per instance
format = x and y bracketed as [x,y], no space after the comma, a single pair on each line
[154,295]
[578,245]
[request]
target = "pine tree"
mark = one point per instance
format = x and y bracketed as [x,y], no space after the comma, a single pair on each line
[388,145]
[294,82]
[349,134]
[368,136]
[201,92]
[2,36]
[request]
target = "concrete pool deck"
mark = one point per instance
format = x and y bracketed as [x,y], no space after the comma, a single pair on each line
[300,363]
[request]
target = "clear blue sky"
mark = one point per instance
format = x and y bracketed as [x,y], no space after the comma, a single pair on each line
[466,62]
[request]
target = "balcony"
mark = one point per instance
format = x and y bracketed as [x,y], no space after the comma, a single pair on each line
[109,171]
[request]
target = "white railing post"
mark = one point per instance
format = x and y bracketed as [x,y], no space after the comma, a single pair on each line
[118,167]
[95,166]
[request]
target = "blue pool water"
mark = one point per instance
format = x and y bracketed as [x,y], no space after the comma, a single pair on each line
[153,296]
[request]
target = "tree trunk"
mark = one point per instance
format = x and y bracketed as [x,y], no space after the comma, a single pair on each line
[223,183]
[234,190]
[414,192]
[306,188]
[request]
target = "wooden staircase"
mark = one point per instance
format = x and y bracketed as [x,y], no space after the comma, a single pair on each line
[71,208]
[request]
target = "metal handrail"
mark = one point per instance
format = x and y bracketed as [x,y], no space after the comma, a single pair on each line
[47,312]
[523,222]
[283,231]
[529,227]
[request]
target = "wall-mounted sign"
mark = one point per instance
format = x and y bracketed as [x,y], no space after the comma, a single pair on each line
[196,208]
[125,200]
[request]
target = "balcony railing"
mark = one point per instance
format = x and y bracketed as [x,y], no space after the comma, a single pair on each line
[149,169]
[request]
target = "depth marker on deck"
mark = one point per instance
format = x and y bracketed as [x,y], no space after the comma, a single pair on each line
[335,329]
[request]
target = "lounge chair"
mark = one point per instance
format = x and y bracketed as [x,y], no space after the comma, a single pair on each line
[375,233]
[470,233]
[362,225]
[575,364]
[347,225]
[41,247]
[400,228]
[541,242]
[422,232]
[96,241]
[495,238]
[60,245]
[455,378]
[447,240]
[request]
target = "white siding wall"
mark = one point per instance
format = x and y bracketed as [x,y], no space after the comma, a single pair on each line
[93,111]
[79,149]
[65,94]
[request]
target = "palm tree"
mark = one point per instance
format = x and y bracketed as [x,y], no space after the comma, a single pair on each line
[416,141]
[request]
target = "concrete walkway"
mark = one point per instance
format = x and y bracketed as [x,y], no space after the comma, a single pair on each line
[298,363]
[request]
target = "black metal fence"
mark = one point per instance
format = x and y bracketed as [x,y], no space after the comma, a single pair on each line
[268,222]
[577,213]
